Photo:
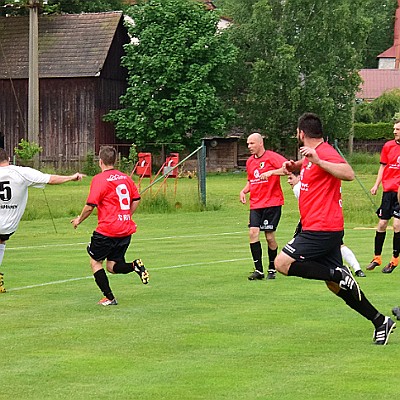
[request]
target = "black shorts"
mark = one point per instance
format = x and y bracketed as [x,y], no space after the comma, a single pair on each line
[4,237]
[111,248]
[267,219]
[323,247]
[389,207]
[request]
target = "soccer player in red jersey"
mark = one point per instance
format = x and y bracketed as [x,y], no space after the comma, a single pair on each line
[315,252]
[389,176]
[264,168]
[116,197]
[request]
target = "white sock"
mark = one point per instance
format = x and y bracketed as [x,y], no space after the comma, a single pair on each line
[350,258]
[2,249]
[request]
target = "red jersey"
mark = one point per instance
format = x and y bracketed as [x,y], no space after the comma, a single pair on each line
[390,157]
[320,201]
[266,193]
[112,192]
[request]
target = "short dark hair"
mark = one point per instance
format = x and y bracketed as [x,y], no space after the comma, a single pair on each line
[3,155]
[311,125]
[108,155]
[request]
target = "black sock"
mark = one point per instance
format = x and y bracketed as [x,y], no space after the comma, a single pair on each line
[102,282]
[312,270]
[122,267]
[379,240]
[363,307]
[271,256]
[256,252]
[396,244]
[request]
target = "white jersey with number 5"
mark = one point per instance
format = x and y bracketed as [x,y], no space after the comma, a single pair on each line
[14,183]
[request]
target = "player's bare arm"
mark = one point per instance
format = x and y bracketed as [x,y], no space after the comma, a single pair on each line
[59,179]
[134,206]
[243,193]
[265,175]
[341,171]
[86,211]
[290,166]
[378,181]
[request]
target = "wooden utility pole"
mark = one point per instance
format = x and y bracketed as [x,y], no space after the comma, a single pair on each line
[33,90]
[397,36]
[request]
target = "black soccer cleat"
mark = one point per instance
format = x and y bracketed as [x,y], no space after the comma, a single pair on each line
[256,275]
[360,273]
[271,274]
[140,269]
[376,261]
[2,288]
[389,268]
[381,334]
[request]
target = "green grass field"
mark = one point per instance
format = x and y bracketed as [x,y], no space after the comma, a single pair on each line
[199,329]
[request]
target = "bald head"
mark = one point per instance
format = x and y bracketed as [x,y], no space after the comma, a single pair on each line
[255,137]
[255,144]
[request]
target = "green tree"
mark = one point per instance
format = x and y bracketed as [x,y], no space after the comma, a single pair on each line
[19,7]
[297,56]
[380,37]
[382,109]
[78,6]
[178,73]
[266,91]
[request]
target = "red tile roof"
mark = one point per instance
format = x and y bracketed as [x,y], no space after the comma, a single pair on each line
[377,81]
[389,53]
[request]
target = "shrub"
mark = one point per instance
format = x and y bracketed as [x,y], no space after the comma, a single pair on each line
[380,130]
[27,150]
[90,166]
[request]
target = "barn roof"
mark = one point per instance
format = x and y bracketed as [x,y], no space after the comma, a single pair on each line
[377,81]
[70,45]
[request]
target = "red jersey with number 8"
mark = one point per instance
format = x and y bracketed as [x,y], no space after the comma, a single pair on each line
[113,192]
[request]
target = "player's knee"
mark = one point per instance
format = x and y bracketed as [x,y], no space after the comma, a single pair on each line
[281,264]
[254,234]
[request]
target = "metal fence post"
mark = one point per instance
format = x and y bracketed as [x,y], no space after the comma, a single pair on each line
[202,173]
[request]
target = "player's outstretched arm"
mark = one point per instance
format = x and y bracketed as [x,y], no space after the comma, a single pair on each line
[59,179]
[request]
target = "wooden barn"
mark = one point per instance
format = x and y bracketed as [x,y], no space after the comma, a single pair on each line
[223,153]
[80,80]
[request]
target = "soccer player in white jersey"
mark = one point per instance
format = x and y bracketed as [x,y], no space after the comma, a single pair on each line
[14,183]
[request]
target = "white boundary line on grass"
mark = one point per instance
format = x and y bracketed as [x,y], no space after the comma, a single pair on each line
[153,269]
[43,246]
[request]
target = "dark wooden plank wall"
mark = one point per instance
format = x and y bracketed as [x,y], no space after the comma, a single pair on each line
[13,112]
[67,124]
[222,157]
[71,116]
